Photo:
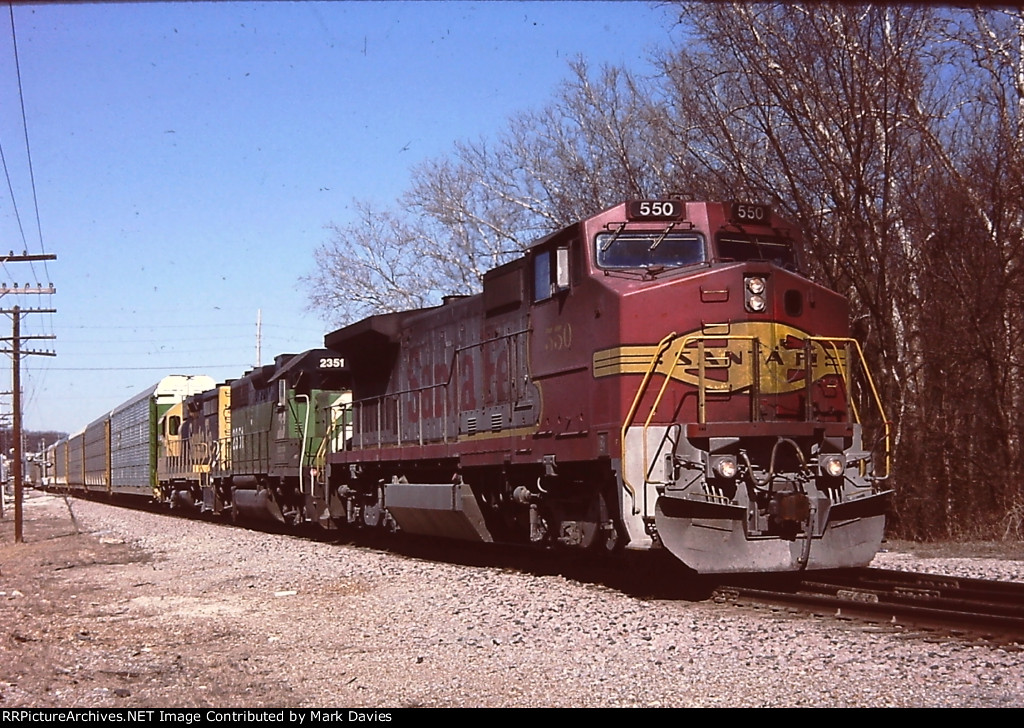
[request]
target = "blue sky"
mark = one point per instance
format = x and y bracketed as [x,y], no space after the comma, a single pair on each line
[188,156]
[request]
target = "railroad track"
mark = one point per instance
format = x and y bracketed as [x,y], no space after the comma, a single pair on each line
[974,608]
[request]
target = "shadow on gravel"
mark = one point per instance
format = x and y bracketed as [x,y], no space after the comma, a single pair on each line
[644,575]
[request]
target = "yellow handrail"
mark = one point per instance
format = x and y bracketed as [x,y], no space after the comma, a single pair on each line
[824,341]
[662,345]
[886,424]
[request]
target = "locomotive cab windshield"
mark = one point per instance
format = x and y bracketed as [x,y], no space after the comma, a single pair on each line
[741,247]
[649,249]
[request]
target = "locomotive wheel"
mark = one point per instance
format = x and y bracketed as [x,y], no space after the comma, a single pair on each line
[612,541]
[373,513]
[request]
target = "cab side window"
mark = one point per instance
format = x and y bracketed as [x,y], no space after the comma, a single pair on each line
[550,272]
[542,276]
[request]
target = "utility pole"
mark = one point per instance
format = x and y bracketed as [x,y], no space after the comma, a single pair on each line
[16,353]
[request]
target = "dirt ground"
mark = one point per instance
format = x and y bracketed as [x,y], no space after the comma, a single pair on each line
[71,634]
[1013,550]
[66,639]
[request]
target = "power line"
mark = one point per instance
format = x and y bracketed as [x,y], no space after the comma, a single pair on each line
[28,147]
[147,369]
[191,326]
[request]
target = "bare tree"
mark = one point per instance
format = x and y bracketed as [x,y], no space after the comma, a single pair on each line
[373,265]
[592,146]
[893,135]
[813,107]
[983,159]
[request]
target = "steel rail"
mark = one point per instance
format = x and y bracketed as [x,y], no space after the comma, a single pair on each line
[955,604]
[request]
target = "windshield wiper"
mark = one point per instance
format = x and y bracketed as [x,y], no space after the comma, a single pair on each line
[660,240]
[614,237]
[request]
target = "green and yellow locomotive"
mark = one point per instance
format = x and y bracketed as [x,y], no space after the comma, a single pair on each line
[283,417]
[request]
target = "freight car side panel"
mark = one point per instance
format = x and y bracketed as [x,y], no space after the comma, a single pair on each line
[59,469]
[76,461]
[97,455]
[134,432]
[132,439]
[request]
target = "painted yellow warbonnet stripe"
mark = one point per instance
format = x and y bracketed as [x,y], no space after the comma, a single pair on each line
[729,359]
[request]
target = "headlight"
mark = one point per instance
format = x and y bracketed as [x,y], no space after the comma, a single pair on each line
[832,465]
[756,303]
[755,285]
[724,466]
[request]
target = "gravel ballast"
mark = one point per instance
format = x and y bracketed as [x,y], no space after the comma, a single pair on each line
[142,610]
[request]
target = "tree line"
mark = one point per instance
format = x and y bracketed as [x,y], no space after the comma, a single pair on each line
[894,135]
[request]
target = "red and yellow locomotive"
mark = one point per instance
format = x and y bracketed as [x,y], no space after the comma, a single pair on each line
[658,375]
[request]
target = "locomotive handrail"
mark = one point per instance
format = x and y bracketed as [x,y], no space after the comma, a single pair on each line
[453,368]
[358,405]
[701,390]
[662,345]
[886,424]
[332,426]
[703,387]
[305,443]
